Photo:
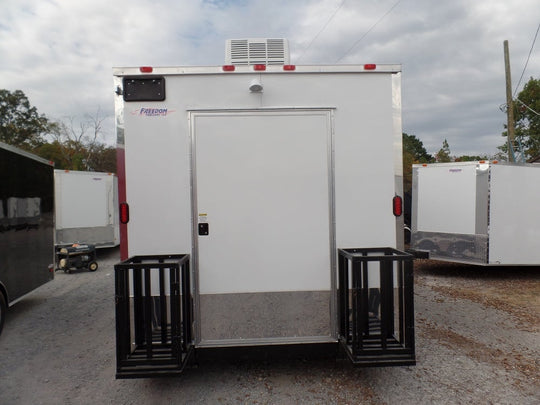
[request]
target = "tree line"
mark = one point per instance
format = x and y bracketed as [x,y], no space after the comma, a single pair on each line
[69,144]
[76,146]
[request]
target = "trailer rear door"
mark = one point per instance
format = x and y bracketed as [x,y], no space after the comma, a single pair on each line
[262,198]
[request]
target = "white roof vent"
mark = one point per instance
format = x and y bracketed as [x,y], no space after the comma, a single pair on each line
[255,51]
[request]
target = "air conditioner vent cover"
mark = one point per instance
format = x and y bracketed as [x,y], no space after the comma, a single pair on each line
[255,51]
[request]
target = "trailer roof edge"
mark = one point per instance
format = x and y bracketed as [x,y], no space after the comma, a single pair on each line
[25,153]
[201,70]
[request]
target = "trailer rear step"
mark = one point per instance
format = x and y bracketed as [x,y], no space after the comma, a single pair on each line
[153,316]
[376,311]
[162,364]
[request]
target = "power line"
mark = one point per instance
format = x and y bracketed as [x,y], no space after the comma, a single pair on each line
[368,31]
[527,107]
[322,29]
[527,62]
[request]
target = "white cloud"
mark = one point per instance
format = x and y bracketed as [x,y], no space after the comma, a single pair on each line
[60,53]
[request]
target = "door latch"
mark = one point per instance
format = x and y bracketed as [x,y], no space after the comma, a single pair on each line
[203,229]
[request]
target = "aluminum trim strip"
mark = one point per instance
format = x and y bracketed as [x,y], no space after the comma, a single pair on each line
[398,156]
[194,235]
[266,342]
[334,328]
[452,246]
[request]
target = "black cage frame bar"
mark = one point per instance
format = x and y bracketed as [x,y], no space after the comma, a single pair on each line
[369,335]
[153,332]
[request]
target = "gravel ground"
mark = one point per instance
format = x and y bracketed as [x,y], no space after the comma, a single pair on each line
[477,341]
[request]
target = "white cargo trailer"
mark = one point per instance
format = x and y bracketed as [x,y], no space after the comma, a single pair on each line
[86,208]
[258,172]
[481,213]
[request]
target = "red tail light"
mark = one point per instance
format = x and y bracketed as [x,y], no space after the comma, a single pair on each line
[228,68]
[397,205]
[259,67]
[124,213]
[146,69]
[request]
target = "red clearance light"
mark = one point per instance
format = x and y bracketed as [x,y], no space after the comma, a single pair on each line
[146,69]
[259,67]
[397,206]
[482,161]
[124,213]
[370,66]
[495,162]
[228,68]
[424,164]
[289,67]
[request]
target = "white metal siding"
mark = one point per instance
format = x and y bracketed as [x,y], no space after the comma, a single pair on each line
[83,199]
[157,152]
[447,199]
[263,185]
[514,230]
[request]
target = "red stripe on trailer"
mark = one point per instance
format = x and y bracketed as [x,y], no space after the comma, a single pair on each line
[122,196]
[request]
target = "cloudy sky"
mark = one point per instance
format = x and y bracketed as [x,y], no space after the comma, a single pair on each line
[61,52]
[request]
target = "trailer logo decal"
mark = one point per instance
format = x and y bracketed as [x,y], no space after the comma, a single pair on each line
[152,112]
[454,170]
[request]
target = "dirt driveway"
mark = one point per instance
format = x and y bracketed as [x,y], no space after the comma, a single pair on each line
[477,341]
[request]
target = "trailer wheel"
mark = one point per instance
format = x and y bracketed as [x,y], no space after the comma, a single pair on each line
[92,266]
[3,310]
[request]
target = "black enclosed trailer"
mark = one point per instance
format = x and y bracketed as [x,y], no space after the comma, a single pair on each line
[26,225]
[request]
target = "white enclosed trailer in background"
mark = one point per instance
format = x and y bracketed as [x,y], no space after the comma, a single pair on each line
[482,213]
[259,171]
[86,208]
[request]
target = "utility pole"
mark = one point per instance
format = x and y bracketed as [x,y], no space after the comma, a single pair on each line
[509,105]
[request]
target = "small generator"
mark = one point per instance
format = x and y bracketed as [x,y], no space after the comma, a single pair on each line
[76,256]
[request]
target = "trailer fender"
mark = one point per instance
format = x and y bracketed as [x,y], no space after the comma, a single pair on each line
[3,291]
[3,308]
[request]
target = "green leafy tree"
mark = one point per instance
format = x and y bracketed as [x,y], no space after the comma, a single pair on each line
[413,152]
[469,158]
[414,146]
[71,156]
[20,124]
[52,151]
[443,155]
[104,159]
[527,119]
